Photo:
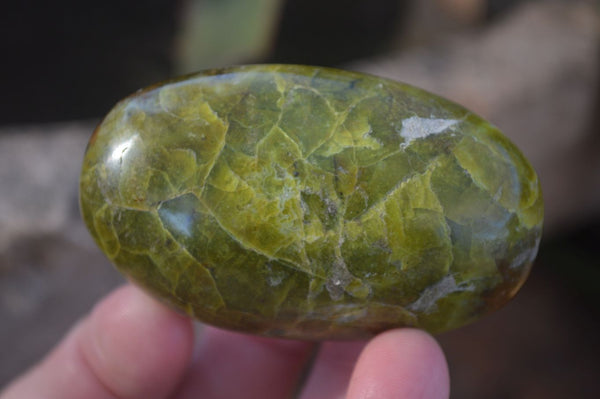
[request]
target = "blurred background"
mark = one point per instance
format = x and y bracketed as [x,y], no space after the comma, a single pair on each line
[531,67]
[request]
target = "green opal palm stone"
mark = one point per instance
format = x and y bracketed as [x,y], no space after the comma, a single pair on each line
[311,203]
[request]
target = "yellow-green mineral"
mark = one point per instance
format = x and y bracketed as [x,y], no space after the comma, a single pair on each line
[311,203]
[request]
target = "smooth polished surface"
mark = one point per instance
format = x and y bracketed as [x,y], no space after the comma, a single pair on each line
[311,203]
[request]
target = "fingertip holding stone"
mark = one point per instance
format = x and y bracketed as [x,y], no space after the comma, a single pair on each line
[401,363]
[136,346]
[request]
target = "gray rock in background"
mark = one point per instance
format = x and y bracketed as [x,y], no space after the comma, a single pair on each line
[51,272]
[39,170]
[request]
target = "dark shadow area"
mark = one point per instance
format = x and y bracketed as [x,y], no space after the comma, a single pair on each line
[69,59]
[329,33]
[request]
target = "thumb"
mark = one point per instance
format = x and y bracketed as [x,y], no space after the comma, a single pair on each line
[130,346]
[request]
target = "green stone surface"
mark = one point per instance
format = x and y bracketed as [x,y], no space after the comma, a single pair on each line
[311,203]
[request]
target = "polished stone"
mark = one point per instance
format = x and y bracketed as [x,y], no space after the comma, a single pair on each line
[311,203]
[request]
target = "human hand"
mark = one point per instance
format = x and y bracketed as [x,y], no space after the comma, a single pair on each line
[131,346]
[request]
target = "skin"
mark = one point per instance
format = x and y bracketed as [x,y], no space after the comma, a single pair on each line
[104,356]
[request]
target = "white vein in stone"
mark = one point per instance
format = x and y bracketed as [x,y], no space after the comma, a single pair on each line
[417,128]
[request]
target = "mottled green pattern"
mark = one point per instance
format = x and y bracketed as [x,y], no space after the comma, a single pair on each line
[311,203]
